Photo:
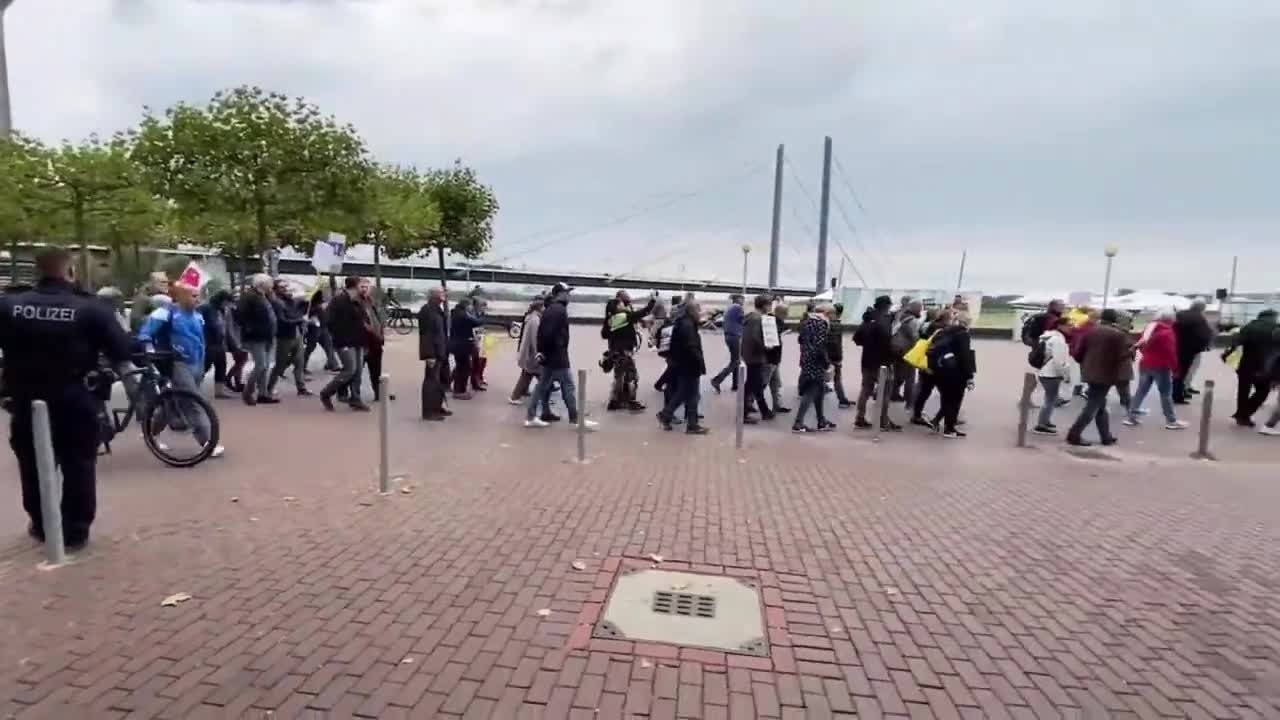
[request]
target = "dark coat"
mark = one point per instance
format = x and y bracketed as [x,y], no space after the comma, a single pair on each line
[753,350]
[462,329]
[1194,334]
[875,336]
[347,322]
[686,348]
[955,341]
[553,336]
[432,336]
[1105,356]
[1259,341]
[256,317]
[289,317]
[814,360]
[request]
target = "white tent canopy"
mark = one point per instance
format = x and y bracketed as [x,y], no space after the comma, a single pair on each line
[1138,301]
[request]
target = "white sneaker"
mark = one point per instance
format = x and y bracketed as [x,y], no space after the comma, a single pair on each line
[589,425]
[1176,425]
[1272,431]
[536,423]
[1132,422]
[515,402]
[217,452]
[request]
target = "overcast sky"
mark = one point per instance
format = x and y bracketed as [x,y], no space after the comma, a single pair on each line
[627,136]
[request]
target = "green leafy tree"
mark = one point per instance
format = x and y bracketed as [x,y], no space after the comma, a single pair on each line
[27,211]
[400,217]
[467,208]
[256,158]
[95,183]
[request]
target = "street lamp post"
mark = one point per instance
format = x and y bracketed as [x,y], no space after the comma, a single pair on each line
[1110,251]
[746,251]
[6,117]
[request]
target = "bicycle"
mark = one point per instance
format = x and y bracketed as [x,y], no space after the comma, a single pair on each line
[400,320]
[158,406]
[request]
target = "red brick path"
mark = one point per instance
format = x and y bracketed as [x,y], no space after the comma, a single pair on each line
[909,578]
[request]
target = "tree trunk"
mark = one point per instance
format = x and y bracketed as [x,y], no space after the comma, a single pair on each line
[444,284]
[13,261]
[260,216]
[86,272]
[377,262]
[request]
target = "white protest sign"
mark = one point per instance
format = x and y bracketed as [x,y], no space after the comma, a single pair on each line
[328,253]
[769,324]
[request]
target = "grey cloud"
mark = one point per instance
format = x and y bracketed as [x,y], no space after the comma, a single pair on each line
[1018,129]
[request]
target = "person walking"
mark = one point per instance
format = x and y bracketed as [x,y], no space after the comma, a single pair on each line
[733,317]
[1105,358]
[433,352]
[873,336]
[350,337]
[317,333]
[1056,370]
[556,367]
[755,357]
[815,369]
[619,332]
[375,330]
[213,313]
[257,320]
[290,318]
[835,353]
[1259,343]
[774,356]
[688,366]
[1194,336]
[1159,361]
[936,321]
[462,345]
[527,352]
[951,359]
[177,328]
[235,345]
[906,331]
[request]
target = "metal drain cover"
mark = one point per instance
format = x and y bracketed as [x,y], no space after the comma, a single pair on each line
[708,611]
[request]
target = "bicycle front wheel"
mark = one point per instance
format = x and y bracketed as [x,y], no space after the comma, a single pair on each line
[403,326]
[172,425]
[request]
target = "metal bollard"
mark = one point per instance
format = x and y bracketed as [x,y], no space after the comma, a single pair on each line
[740,380]
[1206,419]
[50,485]
[384,422]
[1029,383]
[582,416]
[886,391]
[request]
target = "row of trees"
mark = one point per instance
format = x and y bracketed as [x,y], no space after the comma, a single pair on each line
[247,171]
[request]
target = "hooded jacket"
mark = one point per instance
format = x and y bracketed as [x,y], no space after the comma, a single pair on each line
[1259,341]
[553,335]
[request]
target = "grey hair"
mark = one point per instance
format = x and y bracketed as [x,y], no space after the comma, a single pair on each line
[261,281]
[1167,314]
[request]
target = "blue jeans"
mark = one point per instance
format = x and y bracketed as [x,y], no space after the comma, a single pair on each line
[1051,387]
[1163,380]
[541,395]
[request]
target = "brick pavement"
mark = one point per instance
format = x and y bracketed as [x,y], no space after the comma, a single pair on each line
[907,578]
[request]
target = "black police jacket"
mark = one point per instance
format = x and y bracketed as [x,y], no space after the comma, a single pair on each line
[53,335]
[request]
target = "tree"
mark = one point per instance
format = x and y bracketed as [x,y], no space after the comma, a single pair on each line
[466,208]
[400,217]
[258,158]
[93,181]
[27,212]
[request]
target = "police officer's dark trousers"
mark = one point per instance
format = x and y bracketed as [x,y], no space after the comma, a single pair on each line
[74,428]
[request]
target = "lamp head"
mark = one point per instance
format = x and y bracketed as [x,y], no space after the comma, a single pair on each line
[1111,250]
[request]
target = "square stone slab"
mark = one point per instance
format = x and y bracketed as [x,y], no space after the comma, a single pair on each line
[715,612]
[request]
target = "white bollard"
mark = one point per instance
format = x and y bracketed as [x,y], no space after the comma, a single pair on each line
[50,485]
[384,422]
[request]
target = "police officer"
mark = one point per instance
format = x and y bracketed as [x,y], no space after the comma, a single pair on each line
[52,336]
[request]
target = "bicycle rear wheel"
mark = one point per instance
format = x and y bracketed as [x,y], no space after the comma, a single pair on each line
[171,416]
[403,325]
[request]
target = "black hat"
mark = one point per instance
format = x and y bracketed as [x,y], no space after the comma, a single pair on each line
[560,287]
[884,301]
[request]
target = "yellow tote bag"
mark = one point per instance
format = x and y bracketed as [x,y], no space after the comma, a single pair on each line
[1233,359]
[918,356]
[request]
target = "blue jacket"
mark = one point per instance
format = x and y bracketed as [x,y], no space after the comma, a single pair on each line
[180,331]
[733,318]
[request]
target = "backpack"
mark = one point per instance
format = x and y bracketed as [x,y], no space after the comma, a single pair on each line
[1039,355]
[1033,328]
[939,355]
[901,341]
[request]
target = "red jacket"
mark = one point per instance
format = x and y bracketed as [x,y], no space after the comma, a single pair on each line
[1160,351]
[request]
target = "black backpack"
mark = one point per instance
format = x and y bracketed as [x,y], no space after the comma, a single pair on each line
[1033,328]
[1039,355]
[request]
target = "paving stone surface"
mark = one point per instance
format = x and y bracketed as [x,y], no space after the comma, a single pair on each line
[909,577]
